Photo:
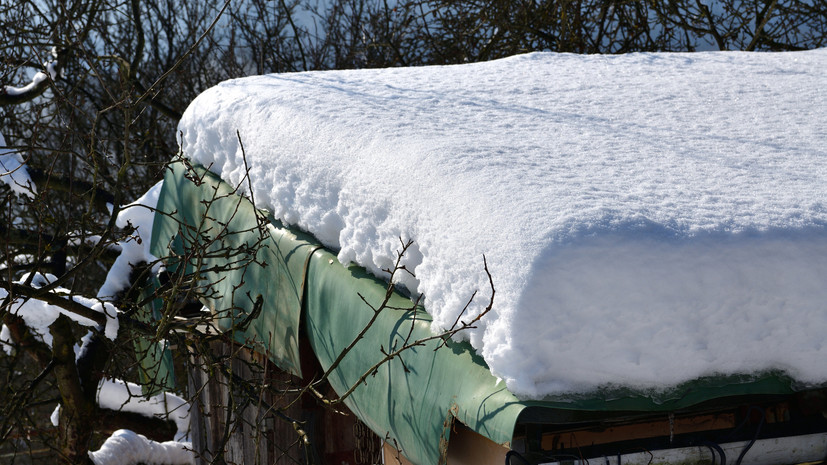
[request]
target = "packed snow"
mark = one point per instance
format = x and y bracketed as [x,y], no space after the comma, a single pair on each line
[647,218]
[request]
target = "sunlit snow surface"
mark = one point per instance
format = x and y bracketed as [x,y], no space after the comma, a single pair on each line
[647,218]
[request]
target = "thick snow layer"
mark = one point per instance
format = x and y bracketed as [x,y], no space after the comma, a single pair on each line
[647,218]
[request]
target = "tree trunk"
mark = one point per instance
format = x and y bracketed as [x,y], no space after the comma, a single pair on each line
[77,412]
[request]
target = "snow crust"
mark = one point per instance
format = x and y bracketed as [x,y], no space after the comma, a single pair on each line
[647,218]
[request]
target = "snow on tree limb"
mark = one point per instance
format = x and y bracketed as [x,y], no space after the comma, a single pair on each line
[40,309]
[125,446]
[10,95]
[115,394]
[135,250]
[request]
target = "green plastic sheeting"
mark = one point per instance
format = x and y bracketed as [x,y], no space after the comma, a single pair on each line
[240,253]
[156,371]
[412,399]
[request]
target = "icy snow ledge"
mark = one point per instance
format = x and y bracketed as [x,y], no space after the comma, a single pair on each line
[647,218]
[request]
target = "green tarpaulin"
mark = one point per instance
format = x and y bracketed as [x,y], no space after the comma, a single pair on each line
[243,255]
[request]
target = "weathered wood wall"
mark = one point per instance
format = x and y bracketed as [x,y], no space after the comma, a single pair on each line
[234,424]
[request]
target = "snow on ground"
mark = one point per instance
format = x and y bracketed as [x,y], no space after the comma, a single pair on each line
[647,218]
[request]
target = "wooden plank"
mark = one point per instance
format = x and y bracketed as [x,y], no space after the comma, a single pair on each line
[660,428]
[788,450]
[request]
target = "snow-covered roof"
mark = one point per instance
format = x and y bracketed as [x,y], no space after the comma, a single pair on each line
[647,218]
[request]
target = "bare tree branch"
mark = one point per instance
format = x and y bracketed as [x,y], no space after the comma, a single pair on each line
[54,299]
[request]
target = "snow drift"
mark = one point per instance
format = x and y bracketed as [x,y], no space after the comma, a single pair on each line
[648,218]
